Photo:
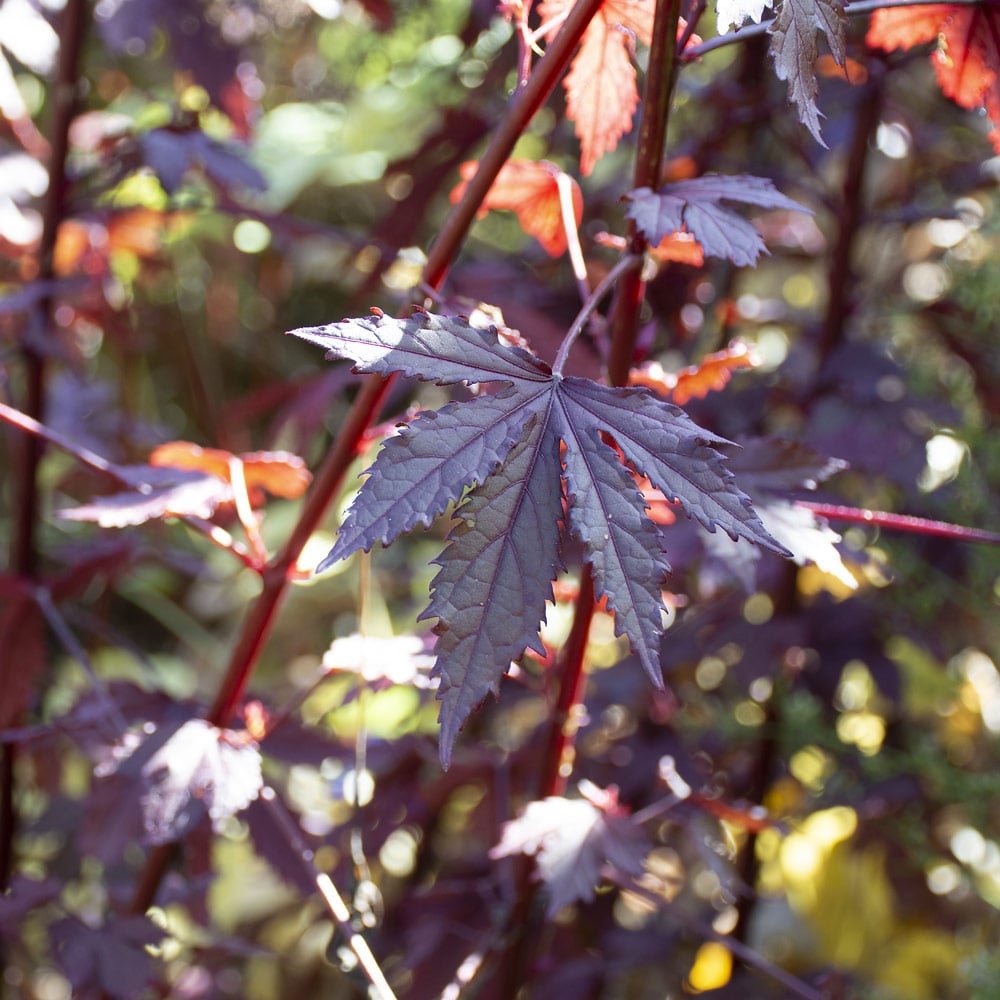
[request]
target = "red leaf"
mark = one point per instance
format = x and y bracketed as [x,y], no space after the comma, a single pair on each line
[967,57]
[601,92]
[678,248]
[529,189]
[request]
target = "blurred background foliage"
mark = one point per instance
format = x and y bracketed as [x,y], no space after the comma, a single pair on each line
[278,163]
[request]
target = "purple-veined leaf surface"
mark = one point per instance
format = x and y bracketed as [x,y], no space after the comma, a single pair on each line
[697,206]
[514,448]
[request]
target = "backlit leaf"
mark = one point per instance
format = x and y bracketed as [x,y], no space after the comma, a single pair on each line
[529,189]
[711,374]
[698,206]
[572,839]
[515,448]
[185,771]
[281,473]
[967,57]
[601,92]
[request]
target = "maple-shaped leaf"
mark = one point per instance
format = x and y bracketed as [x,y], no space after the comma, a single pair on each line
[698,206]
[967,57]
[529,189]
[601,92]
[515,448]
[793,51]
[572,840]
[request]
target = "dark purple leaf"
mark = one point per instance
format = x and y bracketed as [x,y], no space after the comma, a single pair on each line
[198,45]
[572,839]
[442,349]
[412,481]
[497,570]
[496,575]
[23,896]
[782,467]
[171,153]
[793,50]
[696,206]
[112,959]
[607,513]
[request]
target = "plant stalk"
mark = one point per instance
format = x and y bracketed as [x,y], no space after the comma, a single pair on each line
[24,555]
[657,94]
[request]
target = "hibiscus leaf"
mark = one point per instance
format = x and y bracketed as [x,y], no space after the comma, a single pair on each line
[529,189]
[497,570]
[601,91]
[496,575]
[793,51]
[967,58]
[412,481]
[442,349]
[697,205]
[607,514]
[572,839]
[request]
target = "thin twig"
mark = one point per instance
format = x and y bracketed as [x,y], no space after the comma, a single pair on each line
[901,522]
[75,649]
[331,897]
[627,263]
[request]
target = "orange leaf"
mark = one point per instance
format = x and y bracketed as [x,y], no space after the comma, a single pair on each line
[967,58]
[697,381]
[904,27]
[681,248]
[601,92]
[279,472]
[529,189]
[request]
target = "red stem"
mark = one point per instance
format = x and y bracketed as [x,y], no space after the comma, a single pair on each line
[657,94]
[901,522]
[557,764]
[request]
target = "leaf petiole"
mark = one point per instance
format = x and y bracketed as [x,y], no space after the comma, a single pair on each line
[628,263]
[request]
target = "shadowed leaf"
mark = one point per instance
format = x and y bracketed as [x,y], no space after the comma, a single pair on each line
[697,206]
